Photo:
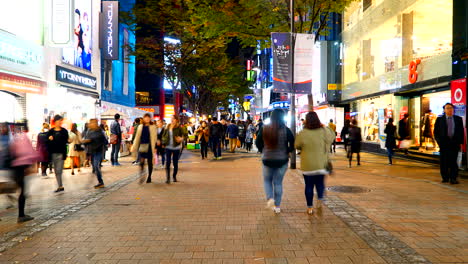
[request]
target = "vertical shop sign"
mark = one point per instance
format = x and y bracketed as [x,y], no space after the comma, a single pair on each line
[303,68]
[458,88]
[110,30]
[382,136]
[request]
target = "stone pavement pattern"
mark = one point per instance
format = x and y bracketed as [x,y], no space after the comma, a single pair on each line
[409,201]
[216,215]
[42,201]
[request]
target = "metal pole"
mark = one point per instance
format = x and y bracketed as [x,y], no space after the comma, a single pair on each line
[293,90]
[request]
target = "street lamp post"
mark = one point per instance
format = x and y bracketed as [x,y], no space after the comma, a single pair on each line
[293,90]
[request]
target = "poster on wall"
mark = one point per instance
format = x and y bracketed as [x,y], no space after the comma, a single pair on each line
[382,136]
[80,54]
[458,89]
[303,65]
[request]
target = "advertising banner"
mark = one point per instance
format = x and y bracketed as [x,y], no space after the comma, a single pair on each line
[382,136]
[110,30]
[76,78]
[80,54]
[303,67]
[458,88]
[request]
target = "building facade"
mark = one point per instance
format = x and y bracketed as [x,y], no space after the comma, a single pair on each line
[397,60]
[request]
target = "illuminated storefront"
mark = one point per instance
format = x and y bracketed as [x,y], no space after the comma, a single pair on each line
[397,60]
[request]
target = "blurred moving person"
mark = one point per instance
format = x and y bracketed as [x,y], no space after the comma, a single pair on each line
[345,135]
[249,136]
[232,134]
[314,141]
[160,150]
[277,142]
[217,133]
[23,156]
[41,148]
[115,140]
[172,139]
[145,145]
[390,141]
[203,133]
[95,141]
[333,128]
[57,146]
[355,139]
[75,148]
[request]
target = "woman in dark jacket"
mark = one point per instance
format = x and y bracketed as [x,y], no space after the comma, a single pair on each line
[390,142]
[277,142]
[172,140]
[355,138]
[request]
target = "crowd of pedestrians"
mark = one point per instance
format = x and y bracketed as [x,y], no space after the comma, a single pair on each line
[155,142]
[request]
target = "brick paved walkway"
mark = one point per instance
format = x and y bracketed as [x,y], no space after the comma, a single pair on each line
[216,215]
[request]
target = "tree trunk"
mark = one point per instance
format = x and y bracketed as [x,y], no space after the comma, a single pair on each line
[310,98]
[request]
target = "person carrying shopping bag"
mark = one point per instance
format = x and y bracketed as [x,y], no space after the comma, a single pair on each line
[146,137]
[314,142]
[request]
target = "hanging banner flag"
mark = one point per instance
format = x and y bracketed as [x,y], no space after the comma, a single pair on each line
[110,30]
[282,72]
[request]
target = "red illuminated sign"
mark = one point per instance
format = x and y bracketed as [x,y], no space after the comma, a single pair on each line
[413,74]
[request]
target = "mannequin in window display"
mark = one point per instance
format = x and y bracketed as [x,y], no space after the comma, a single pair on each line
[371,128]
[428,122]
[388,113]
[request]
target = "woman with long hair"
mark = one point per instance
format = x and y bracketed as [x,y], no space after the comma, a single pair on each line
[172,139]
[203,133]
[277,142]
[390,142]
[314,141]
[145,145]
[75,148]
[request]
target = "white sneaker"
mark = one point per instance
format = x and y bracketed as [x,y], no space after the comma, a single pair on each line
[319,203]
[270,204]
[277,210]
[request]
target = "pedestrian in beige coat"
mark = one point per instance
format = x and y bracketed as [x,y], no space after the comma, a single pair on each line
[314,142]
[146,137]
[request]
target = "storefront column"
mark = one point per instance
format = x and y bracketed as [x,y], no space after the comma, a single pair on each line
[460,39]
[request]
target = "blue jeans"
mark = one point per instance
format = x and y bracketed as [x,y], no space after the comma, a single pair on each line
[390,153]
[115,153]
[310,182]
[216,144]
[96,159]
[273,182]
[172,155]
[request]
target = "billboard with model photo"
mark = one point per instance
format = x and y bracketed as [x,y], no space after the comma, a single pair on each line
[80,54]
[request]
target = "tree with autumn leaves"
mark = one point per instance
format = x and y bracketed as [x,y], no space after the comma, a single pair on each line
[199,63]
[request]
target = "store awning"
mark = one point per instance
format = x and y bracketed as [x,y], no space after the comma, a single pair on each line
[109,114]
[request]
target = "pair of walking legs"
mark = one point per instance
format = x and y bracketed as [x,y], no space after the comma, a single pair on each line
[350,155]
[317,181]
[150,166]
[273,182]
[172,155]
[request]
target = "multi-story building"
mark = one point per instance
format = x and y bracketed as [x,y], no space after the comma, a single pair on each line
[118,82]
[397,60]
[49,67]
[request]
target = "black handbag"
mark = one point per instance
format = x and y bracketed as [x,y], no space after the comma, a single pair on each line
[78,147]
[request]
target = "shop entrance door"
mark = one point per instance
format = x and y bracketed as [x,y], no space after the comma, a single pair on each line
[415,120]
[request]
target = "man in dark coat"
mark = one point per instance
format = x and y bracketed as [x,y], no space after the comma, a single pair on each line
[449,134]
